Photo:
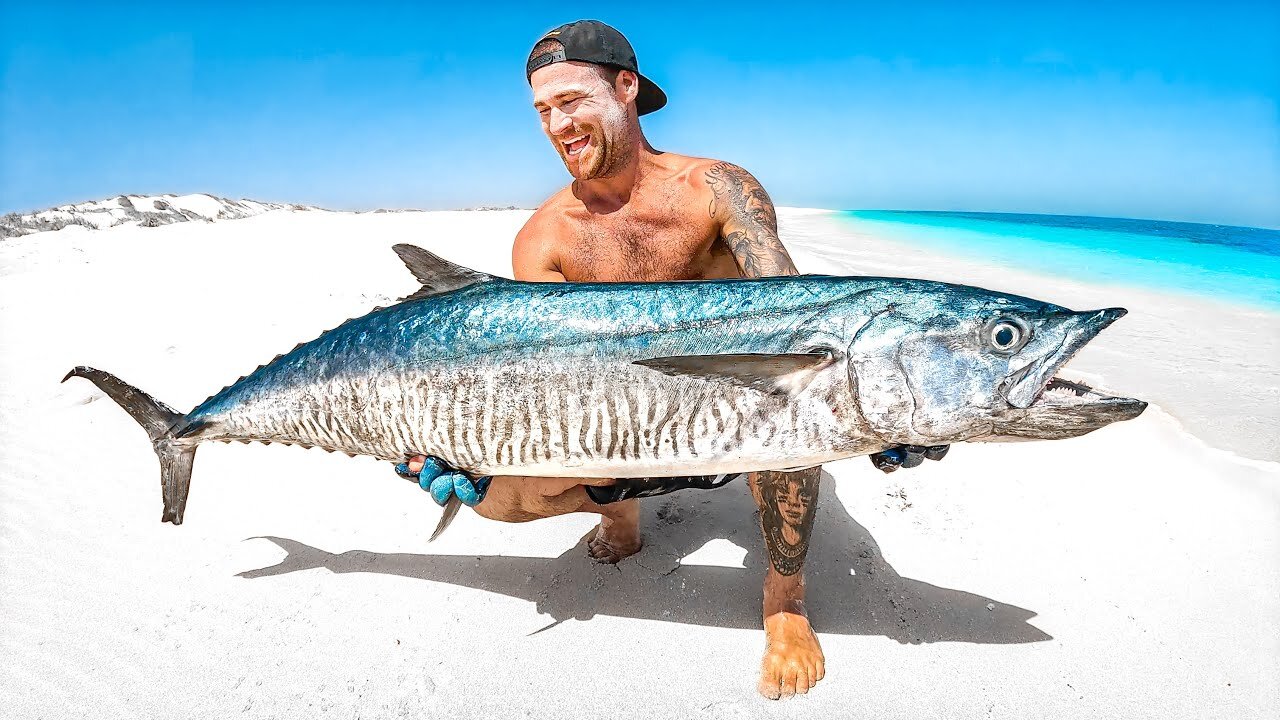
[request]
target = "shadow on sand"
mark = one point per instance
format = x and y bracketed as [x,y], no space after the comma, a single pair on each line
[653,585]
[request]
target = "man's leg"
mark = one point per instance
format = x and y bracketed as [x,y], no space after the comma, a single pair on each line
[521,499]
[793,660]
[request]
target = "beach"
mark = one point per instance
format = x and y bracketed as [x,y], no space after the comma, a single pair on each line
[1133,572]
[1214,365]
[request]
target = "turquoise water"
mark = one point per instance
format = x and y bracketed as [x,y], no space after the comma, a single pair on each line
[1236,264]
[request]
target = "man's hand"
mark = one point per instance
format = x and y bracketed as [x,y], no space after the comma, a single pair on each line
[443,481]
[907,456]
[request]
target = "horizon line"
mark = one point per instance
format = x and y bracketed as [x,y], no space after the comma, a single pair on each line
[492,208]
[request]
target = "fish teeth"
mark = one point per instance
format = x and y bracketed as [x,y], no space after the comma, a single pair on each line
[1079,377]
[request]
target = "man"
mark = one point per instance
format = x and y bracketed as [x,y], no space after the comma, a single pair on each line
[633,213]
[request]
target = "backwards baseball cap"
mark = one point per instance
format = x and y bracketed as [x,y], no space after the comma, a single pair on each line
[594,42]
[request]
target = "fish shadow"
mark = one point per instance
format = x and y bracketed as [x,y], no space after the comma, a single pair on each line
[851,588]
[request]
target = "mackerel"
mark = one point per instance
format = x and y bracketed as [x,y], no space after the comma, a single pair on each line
[623,380]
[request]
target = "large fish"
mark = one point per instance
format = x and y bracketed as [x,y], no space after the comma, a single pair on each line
[624,380]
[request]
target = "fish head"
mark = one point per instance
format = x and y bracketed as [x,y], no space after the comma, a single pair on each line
[968,364]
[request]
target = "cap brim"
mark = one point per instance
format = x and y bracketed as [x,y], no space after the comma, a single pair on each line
[650,97]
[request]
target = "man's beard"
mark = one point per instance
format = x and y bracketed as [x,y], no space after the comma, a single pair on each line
[609,156]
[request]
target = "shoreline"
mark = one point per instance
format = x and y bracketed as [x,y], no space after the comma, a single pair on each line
[1183,266]
[1211,364]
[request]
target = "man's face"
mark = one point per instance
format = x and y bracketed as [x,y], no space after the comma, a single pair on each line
[584,117]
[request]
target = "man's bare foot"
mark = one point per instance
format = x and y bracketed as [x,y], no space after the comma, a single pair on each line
[793,660]
[618,534]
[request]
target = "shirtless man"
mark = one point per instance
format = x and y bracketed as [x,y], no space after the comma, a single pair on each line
[633,213]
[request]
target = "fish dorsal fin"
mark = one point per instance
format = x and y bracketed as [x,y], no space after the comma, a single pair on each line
[785,373]
[436,274]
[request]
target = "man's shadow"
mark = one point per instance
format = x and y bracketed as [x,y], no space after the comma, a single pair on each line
[852,590]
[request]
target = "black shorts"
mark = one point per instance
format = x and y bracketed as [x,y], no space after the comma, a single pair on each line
[627,488]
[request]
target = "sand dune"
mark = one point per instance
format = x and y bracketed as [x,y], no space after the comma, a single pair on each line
[1129,573]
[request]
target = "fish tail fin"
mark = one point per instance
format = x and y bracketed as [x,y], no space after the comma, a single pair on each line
[162,424]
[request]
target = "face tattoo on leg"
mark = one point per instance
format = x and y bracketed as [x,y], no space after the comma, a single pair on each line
[787,512]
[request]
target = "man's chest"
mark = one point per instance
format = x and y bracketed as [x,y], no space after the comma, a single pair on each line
[644,243]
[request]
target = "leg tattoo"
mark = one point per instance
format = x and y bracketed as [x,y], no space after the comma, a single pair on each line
[787,503]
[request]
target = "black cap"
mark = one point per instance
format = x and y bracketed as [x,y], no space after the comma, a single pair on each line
[594,42]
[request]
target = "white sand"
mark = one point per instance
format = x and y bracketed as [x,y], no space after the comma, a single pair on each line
[1130,573]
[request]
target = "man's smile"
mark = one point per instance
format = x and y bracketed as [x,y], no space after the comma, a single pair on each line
[574,146]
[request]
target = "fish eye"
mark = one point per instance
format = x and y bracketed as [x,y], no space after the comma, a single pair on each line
[1006,335]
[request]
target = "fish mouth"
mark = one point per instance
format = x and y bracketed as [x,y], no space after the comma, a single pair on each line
[1029,384]
[1065,393]
[1044,405]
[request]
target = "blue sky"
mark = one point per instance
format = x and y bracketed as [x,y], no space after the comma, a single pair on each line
[1162,110]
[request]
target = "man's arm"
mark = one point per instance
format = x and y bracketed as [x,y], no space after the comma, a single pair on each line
[748,222]
[532,256]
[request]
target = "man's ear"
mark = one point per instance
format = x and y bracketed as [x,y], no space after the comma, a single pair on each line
[628,86]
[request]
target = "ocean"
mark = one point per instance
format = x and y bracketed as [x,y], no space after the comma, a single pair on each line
[1236,264]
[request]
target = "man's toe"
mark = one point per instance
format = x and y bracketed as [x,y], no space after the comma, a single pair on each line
[603,551]
[770,685]
[803,682]
[794,679]
[788,687]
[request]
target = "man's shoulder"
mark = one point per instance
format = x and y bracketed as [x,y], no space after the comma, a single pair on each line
[552,211]
[699,172]
[547,220]
[690,165]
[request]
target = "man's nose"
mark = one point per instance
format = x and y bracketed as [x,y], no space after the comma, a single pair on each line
[559,121]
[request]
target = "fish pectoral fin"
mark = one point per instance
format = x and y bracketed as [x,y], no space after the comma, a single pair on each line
[436,274]
[786,373]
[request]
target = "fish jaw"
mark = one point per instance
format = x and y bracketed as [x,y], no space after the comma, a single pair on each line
[1044,406]
[1064,409]
[1022,387]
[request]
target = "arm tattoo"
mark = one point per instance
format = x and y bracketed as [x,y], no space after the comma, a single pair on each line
[750,222]
[735,186]
[787,503]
